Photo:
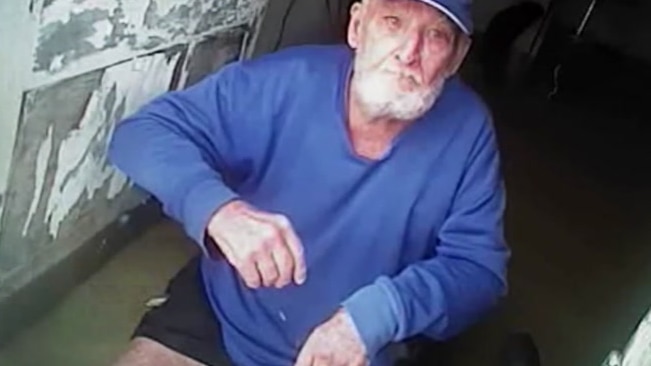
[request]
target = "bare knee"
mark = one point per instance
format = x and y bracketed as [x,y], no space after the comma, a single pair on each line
[147,352]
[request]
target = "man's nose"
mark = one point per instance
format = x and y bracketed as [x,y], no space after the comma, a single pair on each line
[410,49]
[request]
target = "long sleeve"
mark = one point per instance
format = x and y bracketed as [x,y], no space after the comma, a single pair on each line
[443,295]
[179,148]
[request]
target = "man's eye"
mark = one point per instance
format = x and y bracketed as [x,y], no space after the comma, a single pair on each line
[437,35]
[393,22]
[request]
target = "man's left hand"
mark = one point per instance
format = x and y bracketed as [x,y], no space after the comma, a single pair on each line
[334,343]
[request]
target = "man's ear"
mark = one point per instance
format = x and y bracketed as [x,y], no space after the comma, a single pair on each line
[355,25]
[459,55]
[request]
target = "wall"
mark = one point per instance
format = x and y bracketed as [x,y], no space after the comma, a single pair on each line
[75,68]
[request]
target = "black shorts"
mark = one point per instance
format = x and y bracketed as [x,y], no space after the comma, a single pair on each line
[185,322]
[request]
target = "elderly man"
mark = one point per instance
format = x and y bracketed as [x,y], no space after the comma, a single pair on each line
[345,198]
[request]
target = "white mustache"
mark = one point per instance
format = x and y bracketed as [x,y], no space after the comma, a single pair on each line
[406,74]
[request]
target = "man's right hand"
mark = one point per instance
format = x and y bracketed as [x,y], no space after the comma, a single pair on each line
[263,247]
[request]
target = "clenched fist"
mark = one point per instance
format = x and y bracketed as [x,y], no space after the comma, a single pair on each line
[262,247]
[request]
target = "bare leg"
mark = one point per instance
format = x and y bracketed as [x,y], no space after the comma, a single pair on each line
[146,352]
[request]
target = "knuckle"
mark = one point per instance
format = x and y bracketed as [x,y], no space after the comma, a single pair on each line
[249,280]
[252,284]
[266,266]
[270,279]
[283,257]
[283,221]
[267,246]
[254,281]
[249,258]
[285,270]
[245,269]
[238,264]
[261,252]
[269,233]
[283,280]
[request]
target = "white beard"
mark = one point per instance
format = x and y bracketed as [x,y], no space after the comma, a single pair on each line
[379,98]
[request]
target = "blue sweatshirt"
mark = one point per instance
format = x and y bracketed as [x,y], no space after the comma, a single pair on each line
[408,244]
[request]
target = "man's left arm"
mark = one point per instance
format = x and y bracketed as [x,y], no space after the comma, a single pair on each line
[443,295]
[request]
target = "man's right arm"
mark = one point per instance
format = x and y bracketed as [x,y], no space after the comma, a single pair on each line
[176,148]
[179,148]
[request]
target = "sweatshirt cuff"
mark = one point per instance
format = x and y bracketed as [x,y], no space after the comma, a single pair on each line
[199,206]
[374,310]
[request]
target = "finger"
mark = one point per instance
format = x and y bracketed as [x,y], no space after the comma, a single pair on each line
[227,252]
[267,268]
[305,357]
[295,248]
[290,239]
[284,264]
[250,274]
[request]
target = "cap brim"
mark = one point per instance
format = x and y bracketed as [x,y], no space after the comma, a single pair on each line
[449,14]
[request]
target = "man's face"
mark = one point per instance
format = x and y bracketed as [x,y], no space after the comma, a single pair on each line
[405,50]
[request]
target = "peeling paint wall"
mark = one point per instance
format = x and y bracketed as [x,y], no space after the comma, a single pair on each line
[14,73]
[92,63]
[70,30]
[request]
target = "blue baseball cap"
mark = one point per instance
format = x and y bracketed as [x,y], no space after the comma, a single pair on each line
[457,10]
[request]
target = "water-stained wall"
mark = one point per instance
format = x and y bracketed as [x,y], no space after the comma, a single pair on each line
[79,66]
